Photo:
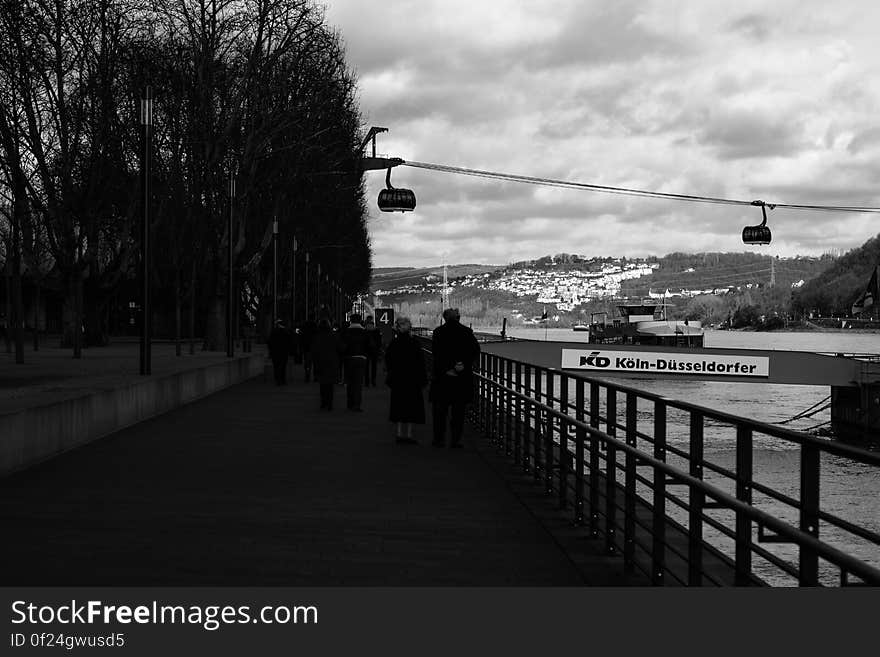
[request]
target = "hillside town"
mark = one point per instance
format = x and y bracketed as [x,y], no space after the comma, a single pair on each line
[567,284]
[566,288]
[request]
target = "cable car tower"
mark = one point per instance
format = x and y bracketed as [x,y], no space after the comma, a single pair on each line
[391,199]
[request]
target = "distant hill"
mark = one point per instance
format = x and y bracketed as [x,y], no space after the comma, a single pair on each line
[834,290]
[739,289]
[392,277]
[386,271]
[708,271]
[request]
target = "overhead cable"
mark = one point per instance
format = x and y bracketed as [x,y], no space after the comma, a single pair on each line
[609,189]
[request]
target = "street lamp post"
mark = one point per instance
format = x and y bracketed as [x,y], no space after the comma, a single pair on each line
[318,289]
[307,286]
[146,153]
[274,271]
[293,287]
[341,304]
[230,345]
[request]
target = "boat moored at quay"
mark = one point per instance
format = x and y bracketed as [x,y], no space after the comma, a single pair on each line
[643,324]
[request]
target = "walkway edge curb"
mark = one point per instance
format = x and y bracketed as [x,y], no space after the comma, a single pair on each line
[39,433]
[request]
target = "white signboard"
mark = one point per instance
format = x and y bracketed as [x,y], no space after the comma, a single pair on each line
[607,360]
[385,323]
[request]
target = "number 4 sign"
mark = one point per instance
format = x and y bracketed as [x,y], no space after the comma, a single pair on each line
[385,323]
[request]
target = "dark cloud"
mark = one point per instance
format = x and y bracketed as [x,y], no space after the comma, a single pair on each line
[753,26]
[600,34]
[864,140]
[736,134]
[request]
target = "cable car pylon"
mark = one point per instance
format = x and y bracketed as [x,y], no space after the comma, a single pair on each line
[391,199]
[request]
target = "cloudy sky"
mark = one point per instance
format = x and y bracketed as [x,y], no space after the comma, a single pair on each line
[777,100]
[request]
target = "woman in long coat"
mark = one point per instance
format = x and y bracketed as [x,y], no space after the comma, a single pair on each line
[406,376]
[325,351]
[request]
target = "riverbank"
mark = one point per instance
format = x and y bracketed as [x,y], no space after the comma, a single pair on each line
[832,325]
[829,325]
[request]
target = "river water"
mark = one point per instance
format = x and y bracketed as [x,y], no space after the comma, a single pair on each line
[849,489]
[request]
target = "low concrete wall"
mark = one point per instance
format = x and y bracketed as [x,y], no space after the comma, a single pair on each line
[41,432]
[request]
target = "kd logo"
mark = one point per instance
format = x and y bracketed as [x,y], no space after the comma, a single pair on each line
[594,360]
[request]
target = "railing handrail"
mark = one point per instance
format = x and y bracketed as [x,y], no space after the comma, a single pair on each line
[784,433]
[827,552]
[847,451]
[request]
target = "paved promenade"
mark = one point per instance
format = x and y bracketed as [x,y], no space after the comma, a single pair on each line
[52,374]
[255,486]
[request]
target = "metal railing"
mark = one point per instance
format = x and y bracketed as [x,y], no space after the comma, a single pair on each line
[670,511]
[657,502]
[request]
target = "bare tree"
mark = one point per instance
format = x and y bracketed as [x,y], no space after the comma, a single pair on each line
[256,86]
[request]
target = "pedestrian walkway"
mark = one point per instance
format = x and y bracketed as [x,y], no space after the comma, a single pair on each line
[52,374]
[255,486]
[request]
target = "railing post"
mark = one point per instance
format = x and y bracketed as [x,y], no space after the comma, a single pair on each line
[744,494]
[564,453]
[527,428]
[484,360]
[508,407]
[518,426]
[539,423]
[594,460]
[629,517]
[548,436]
[493,398]
[809,520]
[611,474]
[658,528]
[499,404]
[579,438]
[697,502]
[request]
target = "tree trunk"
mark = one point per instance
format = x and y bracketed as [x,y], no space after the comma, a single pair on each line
[236,314]
[73,320]
[95,312]
[177,312]
[37,314]
[7,328]
[17,317]
[215,328]
[192,311]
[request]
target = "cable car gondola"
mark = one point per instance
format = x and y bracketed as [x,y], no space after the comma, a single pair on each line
[396,200]
[759,234]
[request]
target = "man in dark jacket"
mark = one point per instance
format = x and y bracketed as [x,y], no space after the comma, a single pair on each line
[325,357]
[355,351]
[374,341]
[279,350]
[307,334]
[455,352]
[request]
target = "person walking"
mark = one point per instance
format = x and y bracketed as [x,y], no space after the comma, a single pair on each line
[305,343]
[279,351]
[406,376]
[455,352]
[374,341]
[355,349]
[326,350]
